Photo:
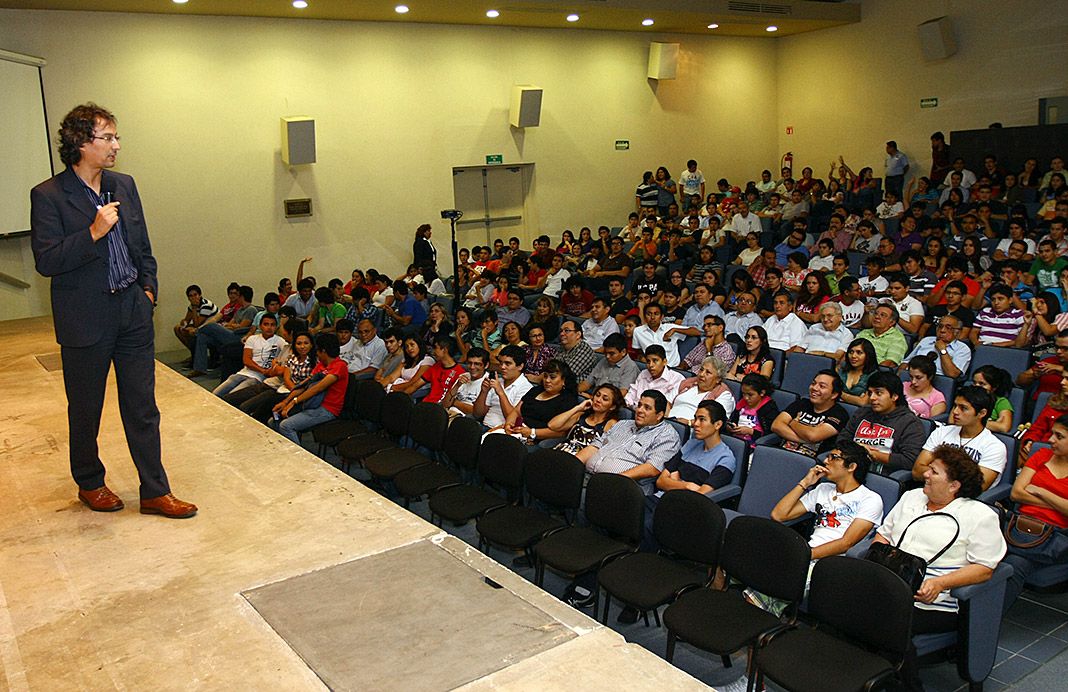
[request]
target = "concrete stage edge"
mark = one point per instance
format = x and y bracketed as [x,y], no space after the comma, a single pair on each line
[128,601]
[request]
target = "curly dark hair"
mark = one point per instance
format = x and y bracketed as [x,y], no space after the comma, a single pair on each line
[961,468]
[77,129]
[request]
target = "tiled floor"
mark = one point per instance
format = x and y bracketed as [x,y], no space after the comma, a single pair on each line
[1032,654]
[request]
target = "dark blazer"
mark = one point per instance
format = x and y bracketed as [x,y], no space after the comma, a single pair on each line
[423,253]
[63,249]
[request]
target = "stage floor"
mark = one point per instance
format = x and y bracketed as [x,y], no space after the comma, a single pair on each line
[123,600]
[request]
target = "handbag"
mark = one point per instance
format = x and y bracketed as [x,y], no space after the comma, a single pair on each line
[911,568]
[1024,531]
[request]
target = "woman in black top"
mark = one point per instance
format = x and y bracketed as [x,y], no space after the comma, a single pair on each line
[557,393]
[424,253]
[588,420]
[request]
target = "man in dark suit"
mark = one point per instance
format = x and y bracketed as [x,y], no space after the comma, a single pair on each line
[103,292]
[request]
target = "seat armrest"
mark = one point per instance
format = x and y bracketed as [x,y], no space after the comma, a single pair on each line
[769,440]
[720,495]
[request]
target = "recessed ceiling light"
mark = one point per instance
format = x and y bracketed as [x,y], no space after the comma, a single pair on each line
[772,28]
[647,22]
[493,14]
[713,25]
[572,17]
[300,4]
[180,2]
[401,9]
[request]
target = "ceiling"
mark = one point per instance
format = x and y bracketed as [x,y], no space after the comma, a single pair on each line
[735,17]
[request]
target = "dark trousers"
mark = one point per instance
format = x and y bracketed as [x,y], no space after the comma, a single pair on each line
[128,343]
[895,184]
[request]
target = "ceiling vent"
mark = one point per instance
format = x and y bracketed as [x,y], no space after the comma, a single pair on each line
[759,7]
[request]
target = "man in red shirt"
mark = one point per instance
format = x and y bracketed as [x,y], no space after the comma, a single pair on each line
[329,378]
[444,373]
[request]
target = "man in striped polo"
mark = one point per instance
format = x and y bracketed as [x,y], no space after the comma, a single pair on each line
[1000,324]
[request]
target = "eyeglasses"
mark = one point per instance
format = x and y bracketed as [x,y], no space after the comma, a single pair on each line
[109,138]
[570,331]
[834,456]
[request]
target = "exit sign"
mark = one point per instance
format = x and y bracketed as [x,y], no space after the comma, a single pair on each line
[622,144]
[929,103]
[494,158]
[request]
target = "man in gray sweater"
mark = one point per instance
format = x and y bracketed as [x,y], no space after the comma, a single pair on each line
[891,433]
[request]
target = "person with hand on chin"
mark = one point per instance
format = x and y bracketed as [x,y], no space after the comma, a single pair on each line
[103,292]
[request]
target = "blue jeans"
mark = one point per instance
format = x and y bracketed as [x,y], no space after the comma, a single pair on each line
[291,427]
[207,336]
[233,383]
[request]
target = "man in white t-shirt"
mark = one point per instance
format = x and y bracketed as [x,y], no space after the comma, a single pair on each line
[851,298]
[967,430]
[460,400]
[910,311]
[499,395]
[691,182]
[259,355]
[654,331]
[846,511]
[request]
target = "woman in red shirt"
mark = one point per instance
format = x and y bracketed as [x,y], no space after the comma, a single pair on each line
[1041,492]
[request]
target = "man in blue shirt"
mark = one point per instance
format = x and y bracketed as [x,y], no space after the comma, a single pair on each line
[410,314]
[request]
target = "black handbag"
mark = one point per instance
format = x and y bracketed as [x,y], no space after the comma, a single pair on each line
[911,568]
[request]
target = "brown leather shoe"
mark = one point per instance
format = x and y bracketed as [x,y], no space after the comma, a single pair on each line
[101,499]
[169,506]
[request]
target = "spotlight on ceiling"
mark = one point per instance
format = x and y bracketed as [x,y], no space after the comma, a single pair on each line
[647,22]
[772,28]
[401,9]
[713,25]
[493,14]
[572,17]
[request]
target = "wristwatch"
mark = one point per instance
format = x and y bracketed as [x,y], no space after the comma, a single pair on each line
[533,434]
[944,352]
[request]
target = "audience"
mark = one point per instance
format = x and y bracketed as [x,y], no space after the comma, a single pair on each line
[943,285]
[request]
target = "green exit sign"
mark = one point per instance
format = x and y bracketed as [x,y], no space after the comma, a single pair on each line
[494,158]
[622,144]
[929,103]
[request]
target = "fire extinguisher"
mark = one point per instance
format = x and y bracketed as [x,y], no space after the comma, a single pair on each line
[787,161]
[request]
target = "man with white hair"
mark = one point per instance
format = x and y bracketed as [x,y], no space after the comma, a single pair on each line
[828,337]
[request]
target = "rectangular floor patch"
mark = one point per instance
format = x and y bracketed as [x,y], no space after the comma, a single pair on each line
[416,617]
[50,361]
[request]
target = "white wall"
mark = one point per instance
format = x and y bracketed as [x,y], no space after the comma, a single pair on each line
[199,99]
[849,89]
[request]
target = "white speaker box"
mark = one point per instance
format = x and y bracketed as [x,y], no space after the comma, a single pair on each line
[936,39]
[663,60]
[525,110]
[298,140]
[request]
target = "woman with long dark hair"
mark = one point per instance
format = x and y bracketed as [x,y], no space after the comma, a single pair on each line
[859,363]
[755,359]
[589,419]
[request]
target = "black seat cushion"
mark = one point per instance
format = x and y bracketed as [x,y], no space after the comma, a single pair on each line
[808,660]
[363,446]
[646,581]
[421,480]
[578,550]
[389,462]
[464,502]
[516,527]
[717,621]
[332,432]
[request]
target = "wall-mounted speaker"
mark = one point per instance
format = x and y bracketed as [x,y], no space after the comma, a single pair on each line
[936,39]
[663,60]
[525,110]
[298,140]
